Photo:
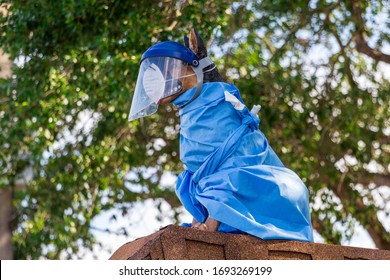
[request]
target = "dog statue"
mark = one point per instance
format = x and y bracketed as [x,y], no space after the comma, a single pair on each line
[233,181]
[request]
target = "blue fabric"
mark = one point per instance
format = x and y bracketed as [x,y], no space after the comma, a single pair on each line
[233,175]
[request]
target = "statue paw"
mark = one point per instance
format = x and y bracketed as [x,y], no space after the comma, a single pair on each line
[200,226]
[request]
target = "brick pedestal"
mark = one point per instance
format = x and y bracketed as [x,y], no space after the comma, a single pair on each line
[181,243]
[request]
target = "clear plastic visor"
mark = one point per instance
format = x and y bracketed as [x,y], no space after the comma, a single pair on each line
[158,78]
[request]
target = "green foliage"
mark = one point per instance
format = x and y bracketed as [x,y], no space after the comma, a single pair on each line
[325,106]
[63,114]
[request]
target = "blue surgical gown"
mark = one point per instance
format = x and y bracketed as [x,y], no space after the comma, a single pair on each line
[232,174]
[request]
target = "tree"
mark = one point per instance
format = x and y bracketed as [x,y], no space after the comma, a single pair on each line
[6,251]
[63,113]
[316,66]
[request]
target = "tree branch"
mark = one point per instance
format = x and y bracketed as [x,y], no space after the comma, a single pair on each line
[374,227]
[360,37]
[6,247]
[369,178]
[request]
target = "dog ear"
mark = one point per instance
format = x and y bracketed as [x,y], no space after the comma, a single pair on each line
[196,44]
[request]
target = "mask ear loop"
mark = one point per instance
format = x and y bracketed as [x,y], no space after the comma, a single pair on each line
[203,63]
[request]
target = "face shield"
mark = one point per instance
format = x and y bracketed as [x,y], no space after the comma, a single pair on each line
[158,78]
[163,67]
